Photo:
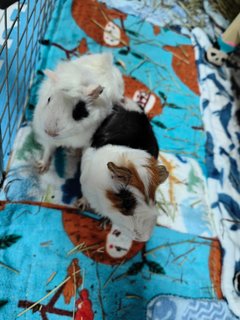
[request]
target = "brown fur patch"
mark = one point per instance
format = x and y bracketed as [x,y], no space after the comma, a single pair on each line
[121,174]
[128,175]
[136,181]
[158,174]
[125,204]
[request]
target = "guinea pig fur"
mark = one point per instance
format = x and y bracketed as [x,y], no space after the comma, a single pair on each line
[120,183]
[120,173]
[127,125]
[73,100]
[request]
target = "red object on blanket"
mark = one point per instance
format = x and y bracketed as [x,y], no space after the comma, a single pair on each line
[184,65]
[84,307]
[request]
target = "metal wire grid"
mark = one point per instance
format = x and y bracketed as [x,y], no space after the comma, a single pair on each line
[23,61]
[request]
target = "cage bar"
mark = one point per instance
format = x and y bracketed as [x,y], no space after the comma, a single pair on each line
[19,51]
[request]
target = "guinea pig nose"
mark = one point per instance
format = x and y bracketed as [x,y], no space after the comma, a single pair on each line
[51,133]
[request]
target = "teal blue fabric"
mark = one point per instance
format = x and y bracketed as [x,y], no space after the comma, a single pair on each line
[42,249]
[1,156]
[225,47]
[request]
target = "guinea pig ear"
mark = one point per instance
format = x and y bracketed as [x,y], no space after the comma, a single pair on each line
[94,91]
[119,174]
[51,75]
[162,173]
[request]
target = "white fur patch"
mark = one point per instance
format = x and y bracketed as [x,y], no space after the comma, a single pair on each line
[117,244]
[131,105]
[66,86]
[96,180]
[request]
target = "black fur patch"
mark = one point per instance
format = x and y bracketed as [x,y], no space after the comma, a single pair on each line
[128,202]
[126,128]
[237,281]
[80,111]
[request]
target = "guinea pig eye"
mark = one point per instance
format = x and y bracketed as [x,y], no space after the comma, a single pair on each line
[128,202]
[80,111]
[49,99]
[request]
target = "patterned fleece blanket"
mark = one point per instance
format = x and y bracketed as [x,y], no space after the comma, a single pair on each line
[66,264]
[160,72]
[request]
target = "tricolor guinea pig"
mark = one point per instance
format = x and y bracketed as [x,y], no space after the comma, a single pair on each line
[73,100]
[120,172]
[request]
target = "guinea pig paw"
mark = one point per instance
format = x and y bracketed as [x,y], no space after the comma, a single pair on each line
[42,166]
[82,204]
[104,222]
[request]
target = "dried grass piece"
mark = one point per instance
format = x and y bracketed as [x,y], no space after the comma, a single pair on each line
[51,277]
[79,246]
[9,268]
[47,295]
[46,243]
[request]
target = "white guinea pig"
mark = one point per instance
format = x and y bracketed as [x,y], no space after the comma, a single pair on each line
[73,100]
[120,172]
